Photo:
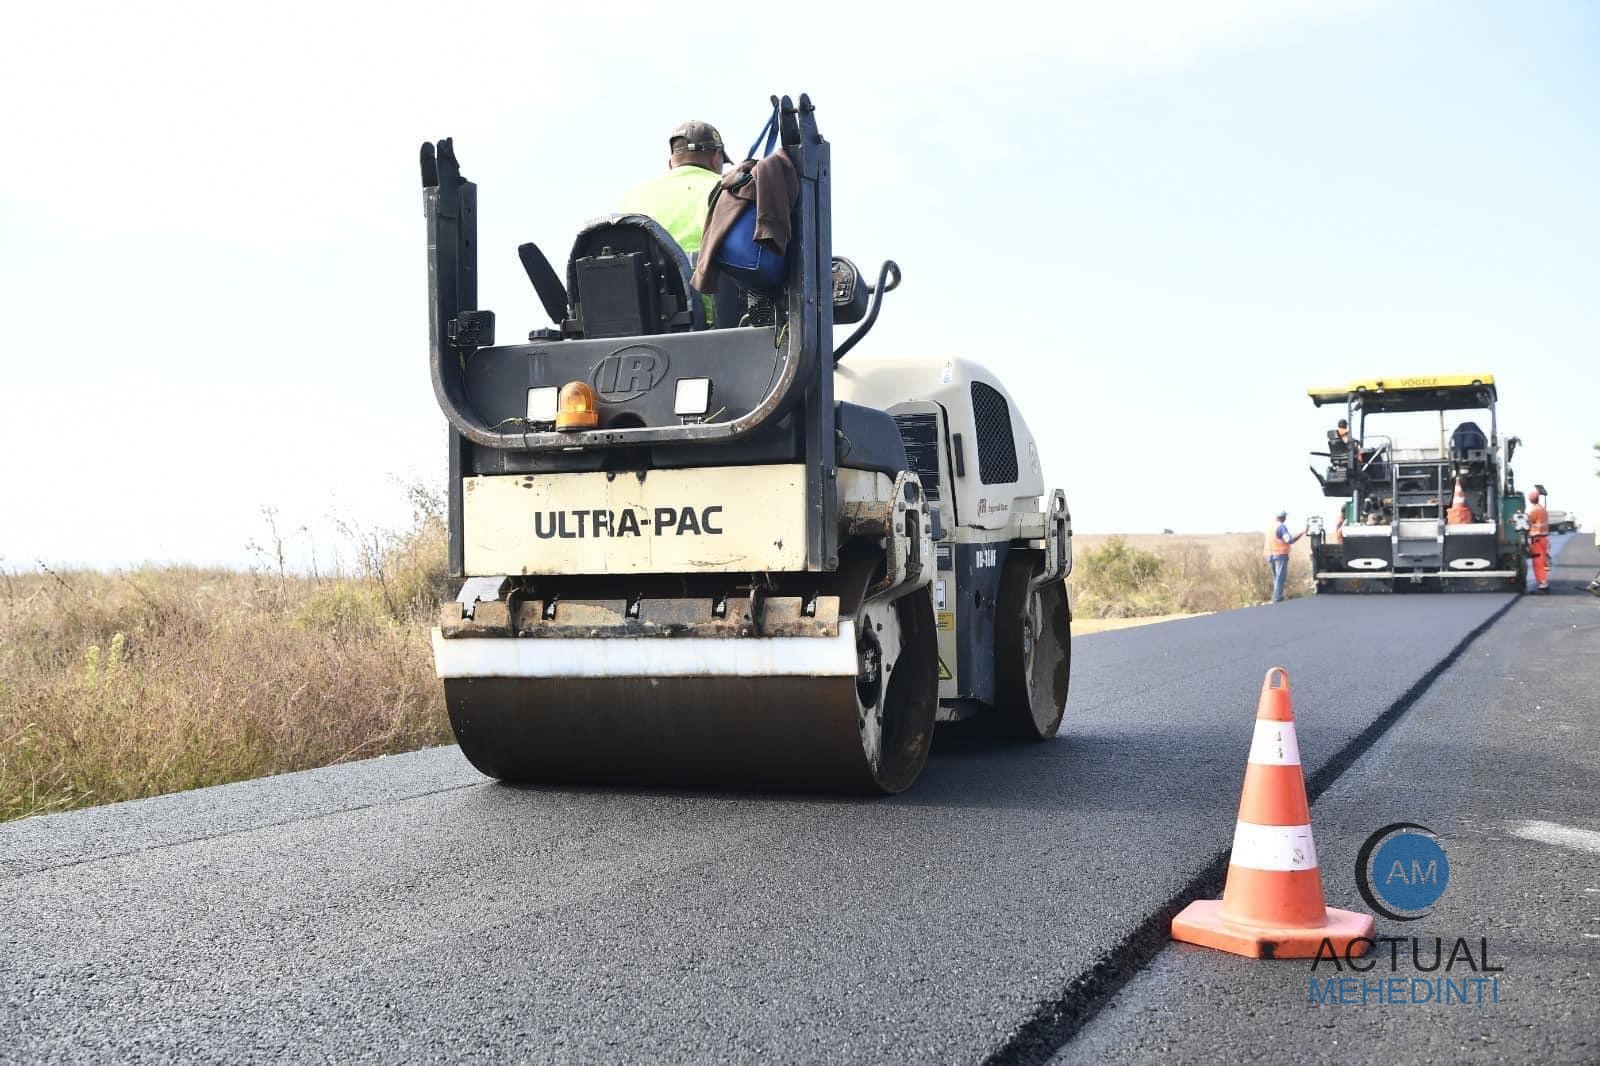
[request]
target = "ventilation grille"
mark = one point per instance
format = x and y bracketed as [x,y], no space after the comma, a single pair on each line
[997,448]
[921,436]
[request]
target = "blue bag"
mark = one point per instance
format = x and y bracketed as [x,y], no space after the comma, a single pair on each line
[739,253]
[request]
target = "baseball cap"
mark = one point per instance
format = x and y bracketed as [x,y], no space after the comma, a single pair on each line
[702,137]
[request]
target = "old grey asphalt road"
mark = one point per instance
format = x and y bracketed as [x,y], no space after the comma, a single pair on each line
[406,909]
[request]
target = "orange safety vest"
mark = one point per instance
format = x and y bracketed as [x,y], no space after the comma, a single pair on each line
[1274,545]
[1538,521]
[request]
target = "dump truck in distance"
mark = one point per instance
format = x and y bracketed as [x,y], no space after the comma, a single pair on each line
[717,555]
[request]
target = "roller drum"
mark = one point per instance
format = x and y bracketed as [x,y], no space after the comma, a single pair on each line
[757,732]
[852,712]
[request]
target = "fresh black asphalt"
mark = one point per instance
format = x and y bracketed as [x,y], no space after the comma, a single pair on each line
[1503,748]
[405,909]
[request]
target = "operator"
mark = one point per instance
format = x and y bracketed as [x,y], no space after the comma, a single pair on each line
[1355,456]
[1539,540]
[678,200]
[1278,543]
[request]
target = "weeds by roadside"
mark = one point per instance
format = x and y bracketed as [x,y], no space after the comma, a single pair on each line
[1119,580]
[117,686]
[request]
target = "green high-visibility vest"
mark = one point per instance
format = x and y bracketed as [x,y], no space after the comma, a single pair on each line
[677,200]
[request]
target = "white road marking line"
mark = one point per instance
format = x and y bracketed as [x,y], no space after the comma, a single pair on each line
[1563,836]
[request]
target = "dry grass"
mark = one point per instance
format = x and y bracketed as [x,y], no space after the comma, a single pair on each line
[117,686]
[1158,575]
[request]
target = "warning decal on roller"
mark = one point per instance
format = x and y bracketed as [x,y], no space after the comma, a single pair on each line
[944,671]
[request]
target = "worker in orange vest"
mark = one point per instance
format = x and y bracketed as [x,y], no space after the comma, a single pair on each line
[1539,540]
[1459,514]
[1594,586]
[1278,542]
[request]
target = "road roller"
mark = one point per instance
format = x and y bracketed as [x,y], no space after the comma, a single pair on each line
[714,553]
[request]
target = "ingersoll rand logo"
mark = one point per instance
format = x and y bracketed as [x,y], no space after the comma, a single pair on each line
[628,522]
[629,373]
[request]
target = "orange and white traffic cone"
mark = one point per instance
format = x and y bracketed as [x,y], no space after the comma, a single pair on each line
[1459,513]
[1272,904]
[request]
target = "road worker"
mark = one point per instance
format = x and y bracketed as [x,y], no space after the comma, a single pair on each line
[1279,541]
[1594,586]
[678,199]
[1539,540]
[1340,453]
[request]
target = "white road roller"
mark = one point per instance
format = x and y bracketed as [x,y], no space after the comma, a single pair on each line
[719,556]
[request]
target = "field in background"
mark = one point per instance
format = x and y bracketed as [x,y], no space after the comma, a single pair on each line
[1151,576]
[124,685]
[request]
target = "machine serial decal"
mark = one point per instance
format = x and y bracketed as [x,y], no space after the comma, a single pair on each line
[629,522]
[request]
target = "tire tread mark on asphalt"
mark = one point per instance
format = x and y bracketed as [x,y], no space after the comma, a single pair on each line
[203,837]
[1054,1022]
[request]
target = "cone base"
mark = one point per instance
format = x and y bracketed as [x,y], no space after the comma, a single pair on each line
[1201,922]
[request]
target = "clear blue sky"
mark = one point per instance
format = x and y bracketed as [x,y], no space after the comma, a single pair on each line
[1160,223]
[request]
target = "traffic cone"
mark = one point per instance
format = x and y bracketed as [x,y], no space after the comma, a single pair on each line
[1272,904]
[1459,513]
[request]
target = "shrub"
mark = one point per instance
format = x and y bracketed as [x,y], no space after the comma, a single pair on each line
[1119,580]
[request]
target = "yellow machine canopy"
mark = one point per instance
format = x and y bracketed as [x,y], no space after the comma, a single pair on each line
[1441,392]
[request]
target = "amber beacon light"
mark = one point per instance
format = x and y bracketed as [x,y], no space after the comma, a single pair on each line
[578,408]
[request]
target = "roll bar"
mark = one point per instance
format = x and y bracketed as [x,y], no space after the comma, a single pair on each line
[457,327]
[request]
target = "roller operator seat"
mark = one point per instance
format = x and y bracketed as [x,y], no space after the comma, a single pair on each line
[627,277]
[1469,444]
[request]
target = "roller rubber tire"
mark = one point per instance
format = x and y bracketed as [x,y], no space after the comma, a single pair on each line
[1033,651]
